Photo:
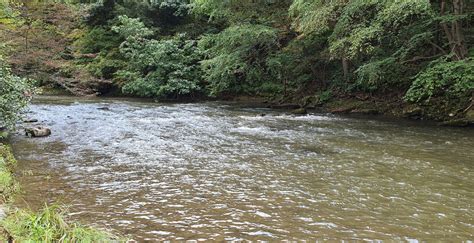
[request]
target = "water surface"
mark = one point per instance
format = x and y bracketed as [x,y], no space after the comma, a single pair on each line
[215,171]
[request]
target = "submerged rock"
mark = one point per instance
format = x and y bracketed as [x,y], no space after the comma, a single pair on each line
[37,132]
[300,111]
[105,108]
[30,120]
[285,106]
[366,111]
[342,110]
[456,123]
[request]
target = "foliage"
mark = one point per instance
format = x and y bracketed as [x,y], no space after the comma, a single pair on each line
[166,68]
[12,96]
[299,58]
[98,39]
[380,74]
[235,59]
[315,16]
[443,78]
[49,225]
[242,11]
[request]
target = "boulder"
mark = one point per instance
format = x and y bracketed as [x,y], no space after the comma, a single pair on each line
[37,132]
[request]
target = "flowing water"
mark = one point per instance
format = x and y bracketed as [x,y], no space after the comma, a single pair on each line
[216,171]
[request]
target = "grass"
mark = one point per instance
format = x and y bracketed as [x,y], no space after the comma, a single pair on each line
[49,225]
[7,164]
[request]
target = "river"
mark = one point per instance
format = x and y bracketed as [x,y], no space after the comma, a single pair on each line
[221,171]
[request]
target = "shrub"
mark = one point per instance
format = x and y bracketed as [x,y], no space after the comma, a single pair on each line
[12,96]
[451,79]
[380,75]
[158,68]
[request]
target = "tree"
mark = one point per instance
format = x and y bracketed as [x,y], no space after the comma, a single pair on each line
[162,69]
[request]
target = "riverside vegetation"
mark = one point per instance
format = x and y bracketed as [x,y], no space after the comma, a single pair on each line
[411,58]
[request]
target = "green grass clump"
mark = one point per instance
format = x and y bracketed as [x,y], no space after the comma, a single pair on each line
[7,163]
[49,225]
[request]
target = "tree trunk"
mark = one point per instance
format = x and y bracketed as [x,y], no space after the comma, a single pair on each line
[345,68]
[454,32]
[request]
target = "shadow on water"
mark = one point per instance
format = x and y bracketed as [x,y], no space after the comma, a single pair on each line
[217,171]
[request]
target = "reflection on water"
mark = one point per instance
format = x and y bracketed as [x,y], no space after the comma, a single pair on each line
[215,171]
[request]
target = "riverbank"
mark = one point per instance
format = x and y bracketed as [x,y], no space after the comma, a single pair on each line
[49,224]
[455,115]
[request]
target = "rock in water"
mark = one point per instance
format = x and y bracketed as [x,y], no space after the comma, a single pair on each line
[37,132]
[300,111]
[456,123]
[30,120]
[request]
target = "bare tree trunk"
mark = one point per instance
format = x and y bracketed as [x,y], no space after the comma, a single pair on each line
[345,68]
[454,33]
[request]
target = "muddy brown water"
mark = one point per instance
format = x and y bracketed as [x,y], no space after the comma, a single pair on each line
[215,171]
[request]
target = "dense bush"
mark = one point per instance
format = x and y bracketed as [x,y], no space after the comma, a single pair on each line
[166,68]
[98,39]
[235,59]
[443,78]
[13,98]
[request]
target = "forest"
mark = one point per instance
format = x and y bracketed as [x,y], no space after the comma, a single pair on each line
[410,58]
